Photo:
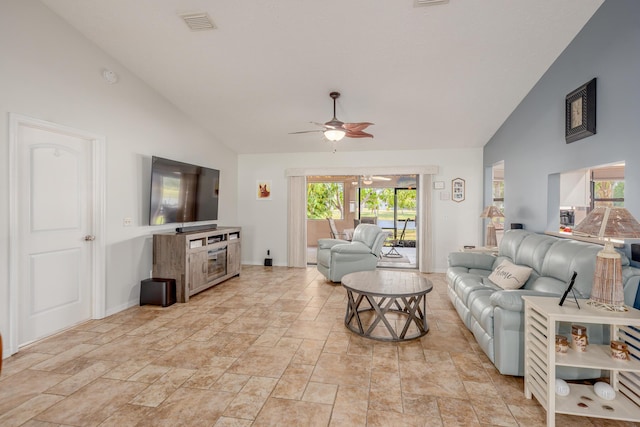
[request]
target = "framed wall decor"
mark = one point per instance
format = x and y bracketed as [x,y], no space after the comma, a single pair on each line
[580,112]
[263,190]
[457,189]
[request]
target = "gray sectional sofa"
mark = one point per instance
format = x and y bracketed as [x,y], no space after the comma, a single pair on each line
[496,316]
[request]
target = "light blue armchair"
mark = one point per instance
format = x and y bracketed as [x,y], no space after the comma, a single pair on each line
[339,257]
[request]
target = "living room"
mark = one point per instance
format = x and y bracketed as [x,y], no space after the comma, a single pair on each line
[53,74]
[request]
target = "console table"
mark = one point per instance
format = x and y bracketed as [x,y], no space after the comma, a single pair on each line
[395,299]
[197,260]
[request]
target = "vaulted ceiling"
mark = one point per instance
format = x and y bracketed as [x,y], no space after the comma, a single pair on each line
[438,76]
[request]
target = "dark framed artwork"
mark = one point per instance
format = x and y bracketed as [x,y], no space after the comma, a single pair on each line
[580,112]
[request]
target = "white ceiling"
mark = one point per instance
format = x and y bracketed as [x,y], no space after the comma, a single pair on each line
[443,76]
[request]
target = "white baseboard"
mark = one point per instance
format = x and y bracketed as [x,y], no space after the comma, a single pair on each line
[121,307]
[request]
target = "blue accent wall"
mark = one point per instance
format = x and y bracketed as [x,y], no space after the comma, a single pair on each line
[531,141]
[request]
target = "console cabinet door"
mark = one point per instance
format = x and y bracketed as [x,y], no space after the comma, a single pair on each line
[233,258]
[197,270]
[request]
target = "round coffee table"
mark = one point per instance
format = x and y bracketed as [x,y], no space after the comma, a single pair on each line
[387,305]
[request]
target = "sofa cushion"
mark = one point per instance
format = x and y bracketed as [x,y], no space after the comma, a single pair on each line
[510,276]
[548,285]
[566,256]
[471,260]
[471,283]
[454,273]
[511,242]
[511,300]
[532,250]
[367,234]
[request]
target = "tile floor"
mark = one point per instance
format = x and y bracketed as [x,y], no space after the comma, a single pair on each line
[267,348]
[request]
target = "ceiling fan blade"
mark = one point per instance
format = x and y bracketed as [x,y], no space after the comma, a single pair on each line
[380,178]
[306,131]
[357,134]
[357,126]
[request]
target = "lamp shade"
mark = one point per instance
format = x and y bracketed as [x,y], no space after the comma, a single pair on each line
[608,222]
[491,212]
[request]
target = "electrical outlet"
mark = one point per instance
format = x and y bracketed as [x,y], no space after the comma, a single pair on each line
[127,222]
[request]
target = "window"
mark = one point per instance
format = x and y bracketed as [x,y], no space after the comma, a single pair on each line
[607,193]
[325,200]
[584,189]
[607,186]
[498,194]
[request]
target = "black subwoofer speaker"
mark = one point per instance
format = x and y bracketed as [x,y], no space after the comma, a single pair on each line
[158,292]
[635,252]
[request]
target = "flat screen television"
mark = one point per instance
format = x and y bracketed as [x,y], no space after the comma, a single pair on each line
[182,192]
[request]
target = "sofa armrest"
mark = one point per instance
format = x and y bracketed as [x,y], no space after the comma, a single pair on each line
[352,248]
[471,260]
[329,243]
[512,299]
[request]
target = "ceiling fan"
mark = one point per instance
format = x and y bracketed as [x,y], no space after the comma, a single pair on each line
[368,179]
[335,130]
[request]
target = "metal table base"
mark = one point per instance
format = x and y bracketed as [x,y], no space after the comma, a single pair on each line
[384,305]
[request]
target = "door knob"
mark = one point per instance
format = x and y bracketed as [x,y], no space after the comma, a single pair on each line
[89,238]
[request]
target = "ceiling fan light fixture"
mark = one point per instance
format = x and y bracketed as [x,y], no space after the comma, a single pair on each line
[334,134]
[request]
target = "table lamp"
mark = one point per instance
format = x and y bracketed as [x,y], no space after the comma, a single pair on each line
[491,212]
[607,292]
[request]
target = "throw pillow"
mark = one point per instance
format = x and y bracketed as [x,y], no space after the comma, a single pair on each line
[510,276]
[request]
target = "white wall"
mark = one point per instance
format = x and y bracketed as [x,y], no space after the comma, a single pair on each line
[531,141]
[51,72]
[574,188]
[265,222]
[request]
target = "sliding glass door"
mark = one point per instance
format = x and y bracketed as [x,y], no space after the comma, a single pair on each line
[390,202]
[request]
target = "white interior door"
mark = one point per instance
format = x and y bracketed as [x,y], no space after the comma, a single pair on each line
[55,231]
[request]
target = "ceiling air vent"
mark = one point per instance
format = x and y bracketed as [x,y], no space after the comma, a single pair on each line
[418,3]
[198,21]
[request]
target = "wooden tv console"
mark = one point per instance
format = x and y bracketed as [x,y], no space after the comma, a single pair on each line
[197,260]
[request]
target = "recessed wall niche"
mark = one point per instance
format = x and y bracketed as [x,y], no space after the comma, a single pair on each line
[583,189]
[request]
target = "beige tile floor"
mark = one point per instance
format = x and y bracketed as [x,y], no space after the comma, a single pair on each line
[267,348]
